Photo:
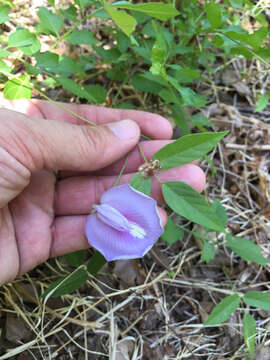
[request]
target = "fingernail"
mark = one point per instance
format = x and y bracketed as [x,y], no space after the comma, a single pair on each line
[125,129]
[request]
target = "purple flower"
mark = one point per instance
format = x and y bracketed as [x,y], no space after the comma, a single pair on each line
[125,225]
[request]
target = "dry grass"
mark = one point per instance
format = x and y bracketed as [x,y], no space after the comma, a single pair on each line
[154,308]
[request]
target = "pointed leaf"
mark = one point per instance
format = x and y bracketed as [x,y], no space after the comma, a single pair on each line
[172,232]
[4,68]
[47,59]
[76,258]
[4,53]
[49,20]
[82,37]
[262,102]
[249,332]
[125,22]
[18,88]
[96,262]
[159,11]
[190,204]
[258,299]
[246,249]
[220,210]
[213,13]
[4,10]
[141,184]
[97,92]
[76,89]
[187,148]
[208,251]
[223,310]
[67,284]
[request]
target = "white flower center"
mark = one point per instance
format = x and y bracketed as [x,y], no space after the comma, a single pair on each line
[136,231]
[112,217]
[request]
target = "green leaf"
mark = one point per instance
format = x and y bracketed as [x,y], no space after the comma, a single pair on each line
[4,68]
[262,102]
[255,40]
[82,37]
[123,42]
[4,10]
[213,13]
[236,4]
[70,13]
[97,93]
[4,53]
[125,22]
[246,249]
[20,38]
[178,114]
[159,11]
[66,66]
[220,210]
[190,204]
[158,58]
[25,41]
[18,88]
[172,232]
[76,89]
[32,70]
[76,258]
[187,148]
[49,20]
[201,120]
[96,262]
[208,251]
[141,83]
[47,60]
[109,56]
[258,299]
[185,75]
[190,98]
[83,3]
[67,284]
[249,332]
[141,184]
[10,3]
[223,310]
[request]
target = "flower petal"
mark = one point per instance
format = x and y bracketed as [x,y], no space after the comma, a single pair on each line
[114,244]
[136,207]
[112,217]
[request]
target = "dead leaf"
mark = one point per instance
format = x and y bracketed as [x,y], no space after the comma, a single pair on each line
[124,349]
[126,270]
[16,330]
[262,353]
[241,88]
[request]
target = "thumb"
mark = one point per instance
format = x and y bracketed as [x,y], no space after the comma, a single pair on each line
[54,145]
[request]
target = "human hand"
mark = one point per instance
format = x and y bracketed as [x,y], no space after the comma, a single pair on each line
[42,217]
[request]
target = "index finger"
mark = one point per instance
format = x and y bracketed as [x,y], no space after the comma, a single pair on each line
[153,125]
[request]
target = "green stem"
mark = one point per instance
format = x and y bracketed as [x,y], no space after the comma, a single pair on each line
[158,179]
[142,153]
[121,172]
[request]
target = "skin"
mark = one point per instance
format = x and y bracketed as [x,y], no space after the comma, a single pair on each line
[54,168]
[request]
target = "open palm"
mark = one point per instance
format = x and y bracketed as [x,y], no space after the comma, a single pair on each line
[43,212]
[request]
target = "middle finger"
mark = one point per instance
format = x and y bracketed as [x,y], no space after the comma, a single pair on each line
[77,195]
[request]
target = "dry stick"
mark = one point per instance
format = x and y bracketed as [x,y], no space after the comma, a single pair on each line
[248,147]
[31,298]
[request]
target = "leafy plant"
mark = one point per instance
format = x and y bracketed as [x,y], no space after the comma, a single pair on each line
[161,52]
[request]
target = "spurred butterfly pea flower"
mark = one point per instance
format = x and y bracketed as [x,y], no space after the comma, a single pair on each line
[125,225]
